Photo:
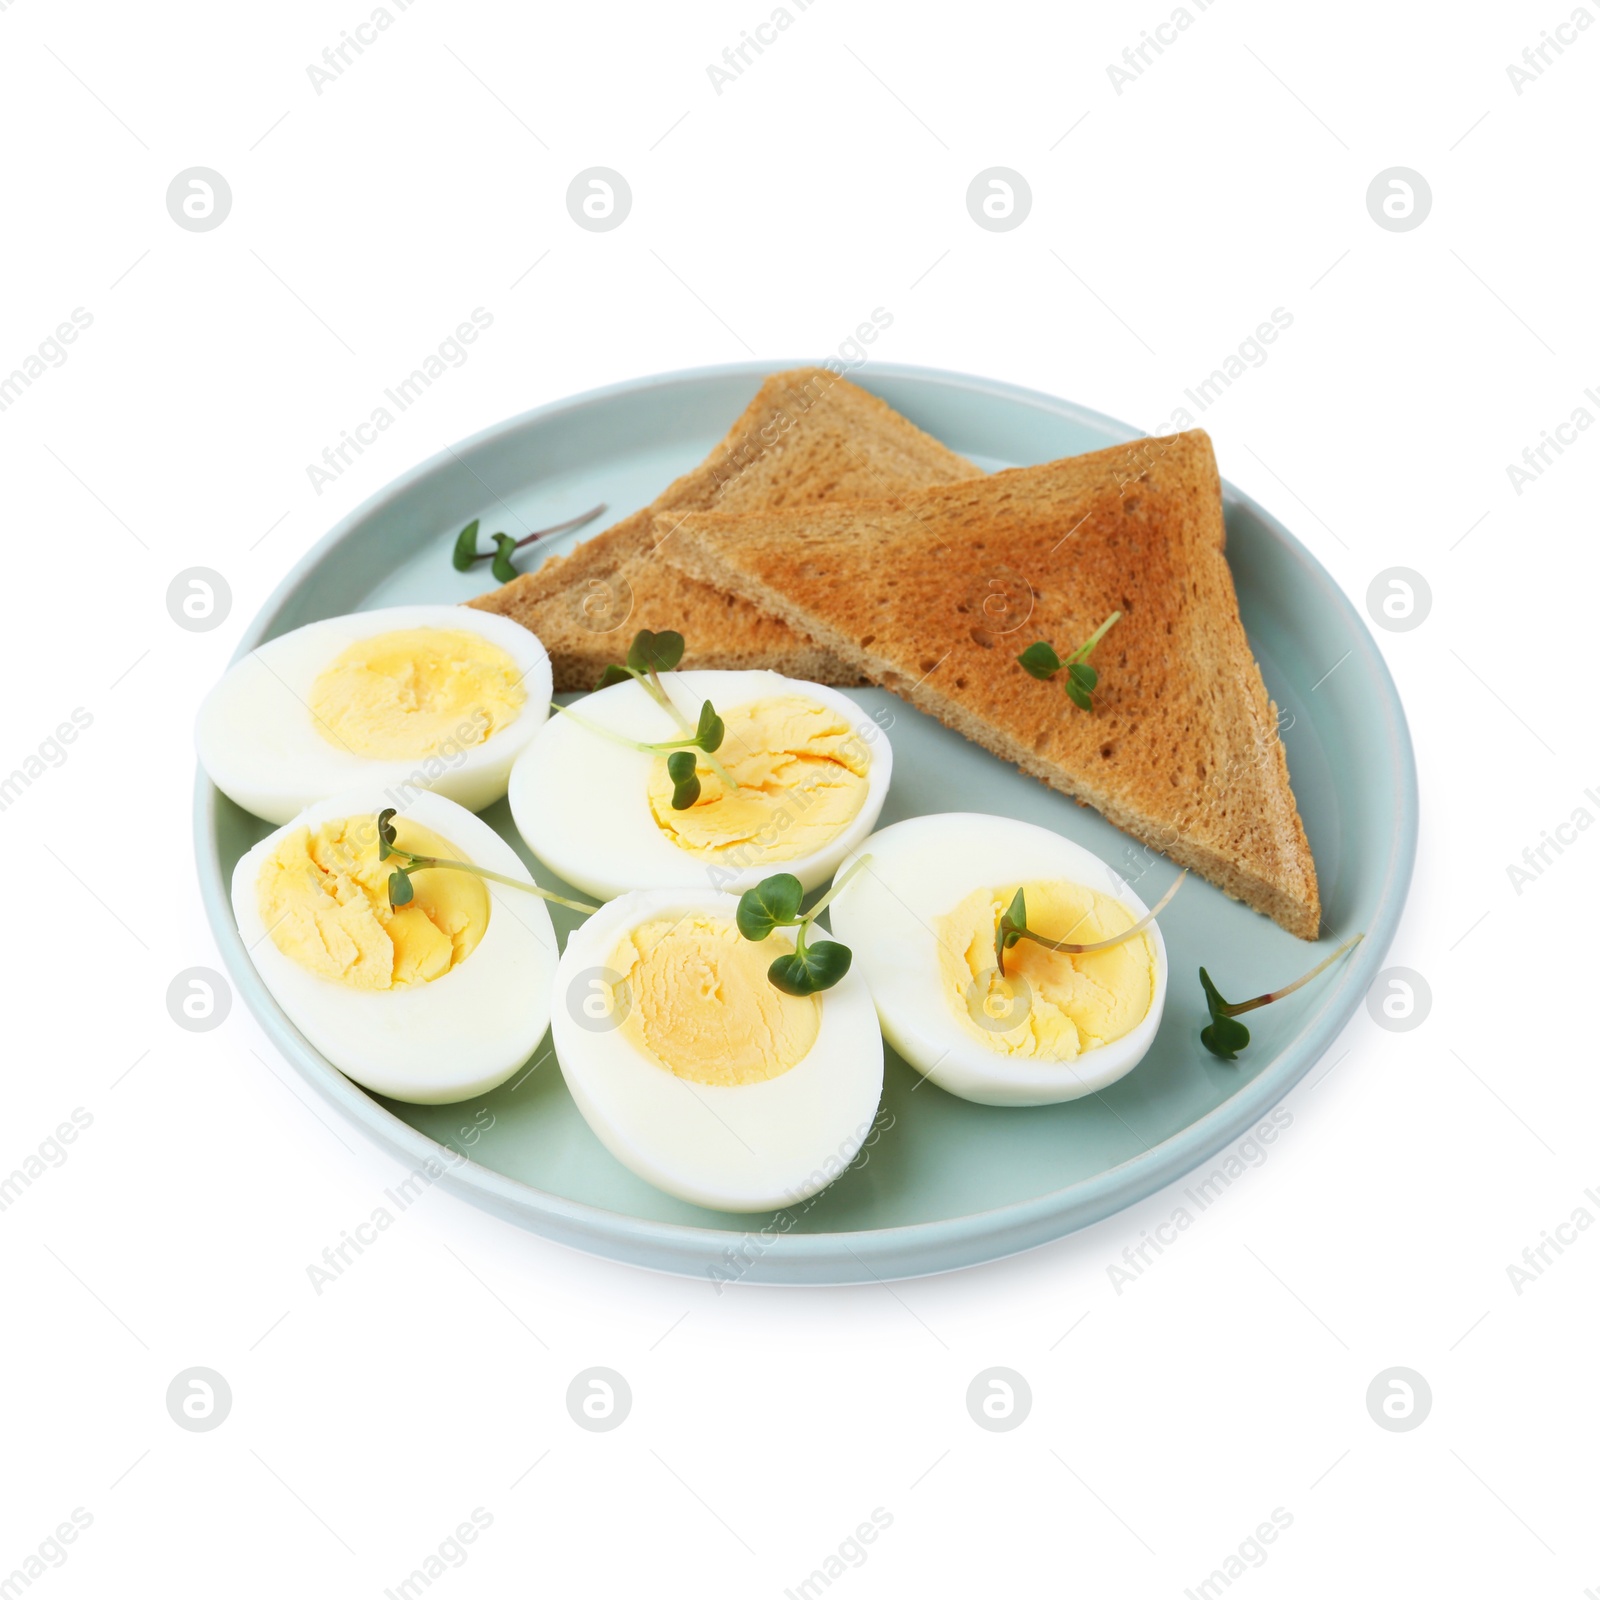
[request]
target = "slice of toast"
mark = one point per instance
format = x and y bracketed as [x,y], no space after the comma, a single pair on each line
[808,436]
[936,595]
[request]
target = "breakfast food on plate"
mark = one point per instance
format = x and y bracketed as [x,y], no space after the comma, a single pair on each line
[699,779]
[407,699]
[1180,747]
[808,436]
[433,990]
[695,1070]
[1077,619]
[921,922]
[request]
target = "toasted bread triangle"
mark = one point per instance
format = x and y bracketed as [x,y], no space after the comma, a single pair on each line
[808,436]
[936,594]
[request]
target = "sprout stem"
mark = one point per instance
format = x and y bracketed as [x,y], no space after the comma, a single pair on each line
[546,533]
[838,883]
[1082,653]
[417,863]
[1241,1006]
[727,779]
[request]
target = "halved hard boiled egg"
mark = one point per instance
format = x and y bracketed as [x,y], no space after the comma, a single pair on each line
[698,1074]
[811,771]
[409,698]
[921,919]
[439,999]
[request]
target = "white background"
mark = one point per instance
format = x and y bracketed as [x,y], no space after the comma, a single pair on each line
[1230,1379]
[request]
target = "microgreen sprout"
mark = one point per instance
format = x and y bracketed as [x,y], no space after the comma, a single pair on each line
[1013,925]
[1040,660]
[1224,1035]
[649,656]
[401,889]
[775,903]
[466,553]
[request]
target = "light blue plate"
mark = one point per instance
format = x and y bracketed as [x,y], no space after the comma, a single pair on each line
[943,1183]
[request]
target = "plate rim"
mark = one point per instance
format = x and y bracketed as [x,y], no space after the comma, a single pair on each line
[876,1254]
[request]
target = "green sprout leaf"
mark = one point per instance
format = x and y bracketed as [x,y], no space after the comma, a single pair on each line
[685,780]
[1224,1035]
[501,566]
[1039,660]
[811,968]
[1079,684]
[773,903]
[708,735]
[655,652]
[386,834]
[614,674]
[1011,927]
[400,890]
[466,550]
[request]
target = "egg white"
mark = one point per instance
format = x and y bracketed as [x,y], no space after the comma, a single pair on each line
[581,802]
[731,1147]
[261,746]
[429,1043]
[922,869]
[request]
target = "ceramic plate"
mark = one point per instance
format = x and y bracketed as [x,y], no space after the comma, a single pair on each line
[942,1183]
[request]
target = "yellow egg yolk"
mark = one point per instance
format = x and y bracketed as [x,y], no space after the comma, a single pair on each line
[693,995]
[1050,1005]
[801,771]
[416,692]
[324,897]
